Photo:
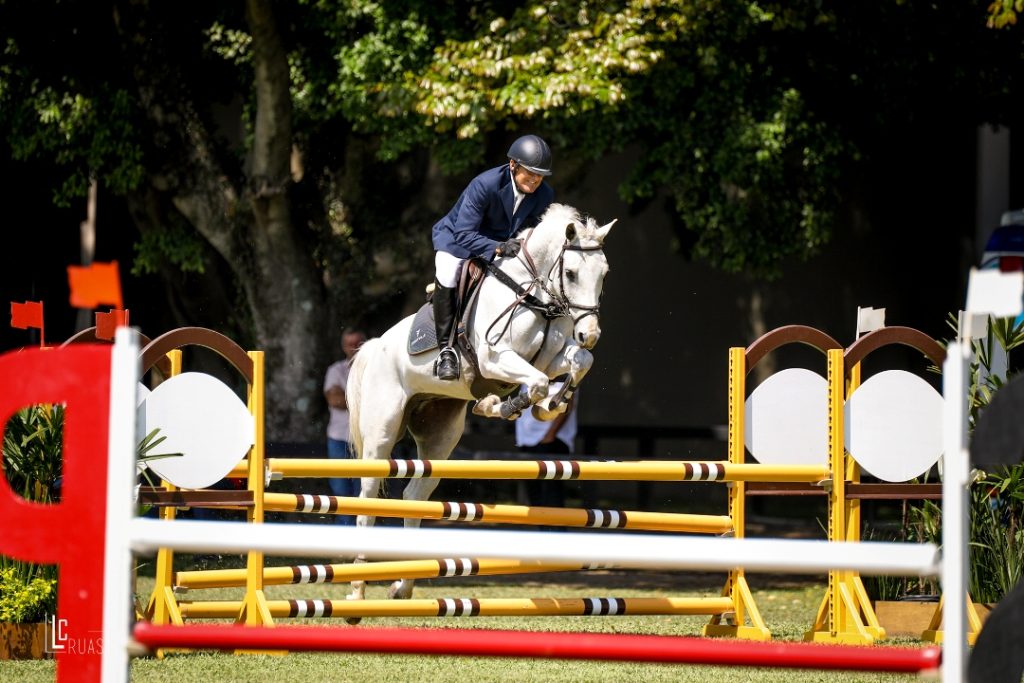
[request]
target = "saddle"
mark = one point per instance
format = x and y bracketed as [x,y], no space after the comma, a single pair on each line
[423,335]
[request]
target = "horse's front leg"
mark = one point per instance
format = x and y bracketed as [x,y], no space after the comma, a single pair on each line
[380,423]
[488,406]
[416,489]
[499,408]
[370,488]
[576,362]
[504,364]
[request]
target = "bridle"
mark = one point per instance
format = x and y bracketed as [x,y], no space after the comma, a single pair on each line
[566,304]
[558,306]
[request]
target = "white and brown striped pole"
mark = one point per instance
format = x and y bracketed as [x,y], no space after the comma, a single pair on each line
[565,470]
[499,514]
[466,607]
[371,571]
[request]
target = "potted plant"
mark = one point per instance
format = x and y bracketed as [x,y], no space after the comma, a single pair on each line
[996,557]
[32,445]
[997,497]
[33,442]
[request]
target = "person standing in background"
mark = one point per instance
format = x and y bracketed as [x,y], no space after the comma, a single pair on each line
[335,385]
[554,438]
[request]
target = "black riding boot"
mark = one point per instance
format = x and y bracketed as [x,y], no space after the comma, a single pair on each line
[447,365]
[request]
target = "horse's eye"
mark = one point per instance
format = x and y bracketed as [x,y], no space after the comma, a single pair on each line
[570,275]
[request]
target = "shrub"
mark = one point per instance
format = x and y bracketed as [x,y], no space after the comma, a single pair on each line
[33,442]
[996,559]
[26,597]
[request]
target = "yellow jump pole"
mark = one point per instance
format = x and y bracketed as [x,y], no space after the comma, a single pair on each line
[163,607]
[370,571]
[498,514]
[659,470]
[736,589]
[855,584]
[466,607]
[253,610]
[839,616]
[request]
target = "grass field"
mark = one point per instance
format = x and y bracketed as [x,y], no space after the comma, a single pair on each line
[787,604]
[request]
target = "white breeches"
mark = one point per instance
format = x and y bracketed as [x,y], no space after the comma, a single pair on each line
[446,268]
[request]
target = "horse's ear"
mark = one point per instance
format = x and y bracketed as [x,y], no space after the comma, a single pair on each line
[603,231]
[570,232]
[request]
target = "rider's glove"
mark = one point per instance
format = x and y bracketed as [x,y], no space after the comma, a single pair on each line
[508,248]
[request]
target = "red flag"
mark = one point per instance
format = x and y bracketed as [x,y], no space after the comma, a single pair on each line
[107,323]
[95,284]
[27,315]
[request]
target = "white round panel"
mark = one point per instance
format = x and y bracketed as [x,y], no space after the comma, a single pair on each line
[202,419]
[786,419]
[894,426]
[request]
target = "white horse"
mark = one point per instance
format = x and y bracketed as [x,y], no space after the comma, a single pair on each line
[534,320]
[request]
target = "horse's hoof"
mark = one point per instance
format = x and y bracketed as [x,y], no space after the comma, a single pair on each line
[538,392]
[354,595]
[547,410]
[487,406]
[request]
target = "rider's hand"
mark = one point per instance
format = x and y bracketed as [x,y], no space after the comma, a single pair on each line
[509,248]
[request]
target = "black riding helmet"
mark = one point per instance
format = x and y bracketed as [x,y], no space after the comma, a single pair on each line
[532,153]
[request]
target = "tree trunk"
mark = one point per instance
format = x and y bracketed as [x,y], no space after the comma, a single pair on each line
[286,313]
[246,220]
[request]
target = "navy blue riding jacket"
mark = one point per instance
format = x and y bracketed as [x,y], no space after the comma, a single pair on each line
[482,217]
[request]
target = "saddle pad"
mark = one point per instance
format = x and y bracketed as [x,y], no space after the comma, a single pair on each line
[422,336]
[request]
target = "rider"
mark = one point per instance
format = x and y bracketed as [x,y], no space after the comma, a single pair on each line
[495,206]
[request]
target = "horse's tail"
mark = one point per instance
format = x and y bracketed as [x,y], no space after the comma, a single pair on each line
[353,394]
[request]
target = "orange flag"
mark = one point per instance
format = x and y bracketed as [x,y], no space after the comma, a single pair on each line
[27,315]
[107,323]
[95,284]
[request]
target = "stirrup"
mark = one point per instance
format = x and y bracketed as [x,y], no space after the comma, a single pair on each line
[446,367]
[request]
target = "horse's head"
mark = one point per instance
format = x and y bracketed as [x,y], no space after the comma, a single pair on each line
[577,275]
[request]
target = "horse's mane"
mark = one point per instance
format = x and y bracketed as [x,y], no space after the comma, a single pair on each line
[558,216]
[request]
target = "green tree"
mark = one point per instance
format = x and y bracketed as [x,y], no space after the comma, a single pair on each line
[307,146]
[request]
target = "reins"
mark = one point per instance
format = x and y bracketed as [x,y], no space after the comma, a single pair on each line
[560,306]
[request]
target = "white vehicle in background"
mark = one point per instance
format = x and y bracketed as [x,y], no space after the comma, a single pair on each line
[1004,250]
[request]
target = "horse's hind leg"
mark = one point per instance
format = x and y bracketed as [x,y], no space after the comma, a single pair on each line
[437,426]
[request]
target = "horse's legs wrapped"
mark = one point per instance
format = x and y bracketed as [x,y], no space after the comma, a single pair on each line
[488,406]
[576,362]
[572,360]
[504,364]
[508,408]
